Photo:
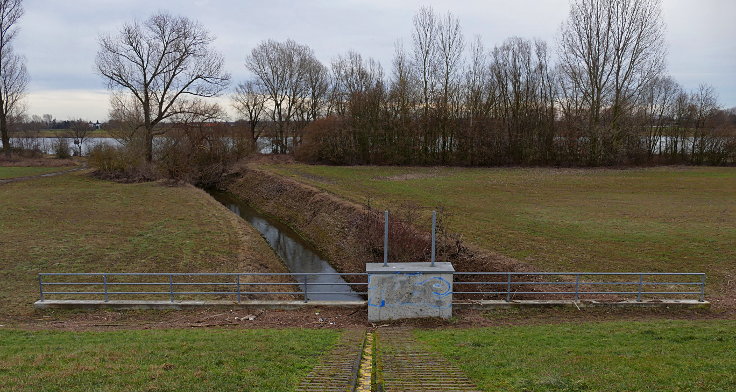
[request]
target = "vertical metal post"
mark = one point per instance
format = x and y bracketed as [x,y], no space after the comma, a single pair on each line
[237,281]
[434,236]
[104,286]
[171,288]
[306,286]
[385,238]
[702,288]
[40,285]
[641,285]
[508,287]
[577,288]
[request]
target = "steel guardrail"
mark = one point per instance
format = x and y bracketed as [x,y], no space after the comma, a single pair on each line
[105,285]
[574,284]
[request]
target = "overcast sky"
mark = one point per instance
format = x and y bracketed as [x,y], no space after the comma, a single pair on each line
[59,38]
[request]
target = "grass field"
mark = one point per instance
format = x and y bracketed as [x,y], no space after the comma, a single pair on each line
[171,360]
[613,356]
[74,223]
[658,219]
[14,172]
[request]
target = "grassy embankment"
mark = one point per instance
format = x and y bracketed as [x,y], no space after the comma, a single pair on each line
[171,360]
[15,172]
[613,356]
[74,223]
[658,219]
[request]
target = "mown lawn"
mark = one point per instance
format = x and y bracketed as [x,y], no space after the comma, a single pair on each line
[680,219]
[75,223]
[612,356]
[166,360]
[14,172]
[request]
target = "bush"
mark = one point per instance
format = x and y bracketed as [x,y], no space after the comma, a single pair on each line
[120,164]
[61,148]
[201,160]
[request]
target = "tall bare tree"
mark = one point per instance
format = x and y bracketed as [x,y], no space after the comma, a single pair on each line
[282,69]
[167,64]
[249,100]
[80,131]
[13,74]
[609,51]
[425,53]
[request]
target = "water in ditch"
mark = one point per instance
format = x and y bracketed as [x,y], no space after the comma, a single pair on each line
[298,255]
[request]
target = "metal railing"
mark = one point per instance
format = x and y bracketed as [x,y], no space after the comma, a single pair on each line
[175,285]
[580,284]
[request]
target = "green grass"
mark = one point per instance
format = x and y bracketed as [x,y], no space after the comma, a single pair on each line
[655,219]
[613,356]
[169,360]
[74,223]
[14,172]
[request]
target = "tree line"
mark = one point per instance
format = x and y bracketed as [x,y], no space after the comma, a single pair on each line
[599,96]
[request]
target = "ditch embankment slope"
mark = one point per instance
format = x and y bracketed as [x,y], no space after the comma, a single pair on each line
[349,234]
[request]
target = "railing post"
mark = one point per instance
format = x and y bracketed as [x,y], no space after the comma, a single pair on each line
[577,288]
[104,286]
[434,236]
[385,238]
[702,288]
[171,288]
[306,285]
[237,280]
[508,287]
[40,286]
[641,285]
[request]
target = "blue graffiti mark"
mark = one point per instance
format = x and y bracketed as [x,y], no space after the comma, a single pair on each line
[444,287]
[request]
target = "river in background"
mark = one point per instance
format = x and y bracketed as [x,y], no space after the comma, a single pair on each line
[47,145]
[298,255]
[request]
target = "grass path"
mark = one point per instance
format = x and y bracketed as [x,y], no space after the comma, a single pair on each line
[8,172]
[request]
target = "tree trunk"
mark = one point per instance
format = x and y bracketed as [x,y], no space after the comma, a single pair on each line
[149,144]
[5,134]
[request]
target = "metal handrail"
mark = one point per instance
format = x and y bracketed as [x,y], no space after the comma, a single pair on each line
[238,283]
[512,287]
[579,284]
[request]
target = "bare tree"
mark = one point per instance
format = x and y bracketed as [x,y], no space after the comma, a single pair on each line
[425,52]
[248,101]
[166,64]
[450,46]
[13,74]
[318,85]
[282,68]
[610,50]
[80,131]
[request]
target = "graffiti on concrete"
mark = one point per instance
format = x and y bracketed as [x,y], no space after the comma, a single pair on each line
[411,289]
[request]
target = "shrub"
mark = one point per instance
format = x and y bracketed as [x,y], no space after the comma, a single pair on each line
[202,160]
[61,148]
[120,164]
